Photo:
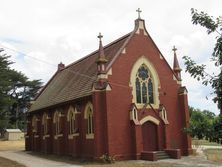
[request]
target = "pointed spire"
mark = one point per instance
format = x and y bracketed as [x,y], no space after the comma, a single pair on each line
[101,61]
[101,50]
[176,67]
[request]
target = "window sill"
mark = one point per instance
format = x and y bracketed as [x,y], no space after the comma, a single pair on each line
[36,136]
[165,121]
[45,136]
[26,136]
[71,136]
[90,136]
[58,136]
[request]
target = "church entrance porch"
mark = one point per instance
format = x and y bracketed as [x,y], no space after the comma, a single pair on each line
[149,135]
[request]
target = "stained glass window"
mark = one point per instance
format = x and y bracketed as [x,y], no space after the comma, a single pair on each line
[150,91]
[138,91]
[144,85]
[144,93]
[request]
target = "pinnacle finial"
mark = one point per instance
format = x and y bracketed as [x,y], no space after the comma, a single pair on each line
[139,11]
[100,36]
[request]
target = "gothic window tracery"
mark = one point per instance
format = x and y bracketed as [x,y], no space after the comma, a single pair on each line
[73,128]
[144,85]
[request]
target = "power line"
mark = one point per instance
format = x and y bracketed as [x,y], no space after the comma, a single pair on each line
[71,71]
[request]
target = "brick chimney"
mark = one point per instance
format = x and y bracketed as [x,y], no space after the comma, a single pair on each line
[61,66]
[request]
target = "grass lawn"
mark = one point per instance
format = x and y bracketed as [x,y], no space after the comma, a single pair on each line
[12,145]
[9,163]
[214,154]
[204,142]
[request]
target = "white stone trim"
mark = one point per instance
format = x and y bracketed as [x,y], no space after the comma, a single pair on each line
[124,51]
[45,136]
[71,136]
[109,72]
[141,27]
[155,77]
[102,76]
[90,136]
[36,136]
[58,136]
[149,118]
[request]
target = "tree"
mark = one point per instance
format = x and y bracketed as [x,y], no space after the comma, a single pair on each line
[5,100]
[216,129]
[205,125]
[200,123]
[213,25]
[16,93]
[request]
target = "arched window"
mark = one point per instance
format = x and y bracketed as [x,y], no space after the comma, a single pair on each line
[144,85]
[34,124]
[56,121]
[71,118]
[89,118]
[163,114]
[89,121]
[45,123]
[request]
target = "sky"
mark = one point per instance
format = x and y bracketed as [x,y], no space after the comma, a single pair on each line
[40,34]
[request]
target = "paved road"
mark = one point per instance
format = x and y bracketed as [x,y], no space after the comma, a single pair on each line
[33,161]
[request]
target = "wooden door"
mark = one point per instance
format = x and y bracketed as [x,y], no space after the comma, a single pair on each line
[149,131]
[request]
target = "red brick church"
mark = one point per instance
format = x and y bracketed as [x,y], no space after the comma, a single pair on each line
[123,100]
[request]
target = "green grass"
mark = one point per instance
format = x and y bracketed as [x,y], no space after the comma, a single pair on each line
[204,142]
[214,154]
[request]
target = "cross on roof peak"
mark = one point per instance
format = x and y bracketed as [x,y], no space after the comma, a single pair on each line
[100,36]
[174,49]
[139,11]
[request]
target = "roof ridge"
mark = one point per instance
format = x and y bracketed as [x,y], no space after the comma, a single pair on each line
[94,52]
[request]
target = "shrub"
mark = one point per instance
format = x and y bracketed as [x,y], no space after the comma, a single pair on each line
[107,158]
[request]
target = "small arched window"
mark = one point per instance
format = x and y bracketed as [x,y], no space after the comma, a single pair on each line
[163,114]
[71,118]
[56,121]
[34,124]
[45,123]
[144,85]
[89,118]
[89,121]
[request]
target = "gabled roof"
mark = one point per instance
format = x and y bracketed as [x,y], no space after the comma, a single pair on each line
[76,79]
[13,130]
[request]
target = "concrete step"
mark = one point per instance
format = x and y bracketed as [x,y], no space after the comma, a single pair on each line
[162,155]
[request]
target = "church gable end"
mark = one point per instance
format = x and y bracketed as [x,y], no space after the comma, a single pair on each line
[122,100]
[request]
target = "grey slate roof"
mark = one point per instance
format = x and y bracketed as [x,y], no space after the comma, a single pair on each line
[76,79]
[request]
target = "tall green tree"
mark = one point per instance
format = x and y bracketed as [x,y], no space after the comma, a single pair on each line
[200,123]
[16,93]
[213,25]
[5,101]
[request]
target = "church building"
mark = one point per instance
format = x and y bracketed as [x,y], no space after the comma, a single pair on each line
[122,100]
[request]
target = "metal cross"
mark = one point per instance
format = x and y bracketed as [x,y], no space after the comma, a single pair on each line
[174,49]
[100,36]
[139,11]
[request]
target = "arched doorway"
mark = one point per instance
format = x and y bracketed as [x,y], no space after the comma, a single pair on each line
[150,138]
